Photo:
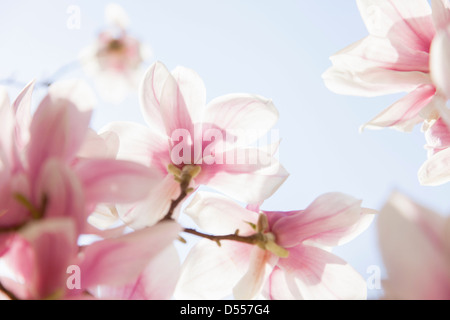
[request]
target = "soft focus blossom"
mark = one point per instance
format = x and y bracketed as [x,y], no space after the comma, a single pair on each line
[187,138]
[292,261]
[33,147]
[405,51]
[415,247]
[115,60]
[37,261]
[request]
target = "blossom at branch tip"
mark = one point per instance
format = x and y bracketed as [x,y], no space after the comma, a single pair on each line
[415,247]
[405,51]
[189,142]
[293,261]
[115,60]
[37,148]
[36,263]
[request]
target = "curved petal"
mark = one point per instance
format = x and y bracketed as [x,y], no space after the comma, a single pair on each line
[156,282]
[249,175]
[58,128]
[412,242]
[333,218]
[120,260]
[380,16]
[210,272]
[219,215]
[311,273]
[162,102]
[39,258]
[261,265]
[441,13]
[153,207]
[435,171]
[22,111]
[405,113]
[140,144]
[104,145]
[115,181]
[246,117]
[193,90]
[439,64]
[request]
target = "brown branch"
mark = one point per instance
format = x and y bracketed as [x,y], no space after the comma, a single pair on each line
[253,239]
[8,293]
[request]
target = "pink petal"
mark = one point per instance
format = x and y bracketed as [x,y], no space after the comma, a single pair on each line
[115,181]
[62,192]
[22,111]
[412,17]
[438,137]
[242,115]
[116,262]
[140,144]
[331,219]
[405,113]
[261,265]
[412,242]
[251,178]
[104,145]
[40,257]
[154,206]
[441,13]
[311,273]
[435,171]
[202,275]
[219,215]
[162,102]
[58,129]
[156,282]
[439,64]
[193,90]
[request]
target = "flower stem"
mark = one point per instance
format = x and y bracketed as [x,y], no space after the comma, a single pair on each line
[252,239]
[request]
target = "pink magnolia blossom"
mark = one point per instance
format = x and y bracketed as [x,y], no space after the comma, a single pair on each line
[115,59]
[57,136]
[173,105]
[37,263]
[293,262]
[405,51]
[415,247]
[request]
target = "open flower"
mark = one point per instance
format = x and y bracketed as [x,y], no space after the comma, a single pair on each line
[56,138]
[115,59]
[415,246]
[188,144]
[44,261]
[288,259]
[404,52]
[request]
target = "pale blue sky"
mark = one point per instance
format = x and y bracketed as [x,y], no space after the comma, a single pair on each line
[277,49]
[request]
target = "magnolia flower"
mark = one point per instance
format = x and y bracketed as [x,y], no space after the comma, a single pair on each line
[37,150]
[43,260]
[114,60]
[405,51]
[290,259]
[415,246]
[188,144]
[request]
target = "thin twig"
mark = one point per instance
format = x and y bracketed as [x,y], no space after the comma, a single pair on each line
[8,293]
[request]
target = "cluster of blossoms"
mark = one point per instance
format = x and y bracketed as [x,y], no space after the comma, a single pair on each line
[407,50]
[125,187]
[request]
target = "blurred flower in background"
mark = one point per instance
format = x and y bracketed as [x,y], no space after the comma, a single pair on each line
[114,61]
